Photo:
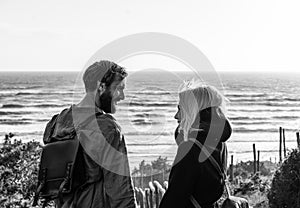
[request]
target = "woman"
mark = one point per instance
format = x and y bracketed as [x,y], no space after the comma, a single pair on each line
[193,177]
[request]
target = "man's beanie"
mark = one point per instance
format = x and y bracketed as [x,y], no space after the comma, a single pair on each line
[95,73]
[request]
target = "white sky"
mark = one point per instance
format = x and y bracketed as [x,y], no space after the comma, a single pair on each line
[240,35]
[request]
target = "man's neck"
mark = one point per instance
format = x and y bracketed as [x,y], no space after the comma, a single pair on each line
[88,100]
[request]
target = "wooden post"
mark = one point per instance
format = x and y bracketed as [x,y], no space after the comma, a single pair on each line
[134,181]
[151,199]
[159,192]
[254,159]
[143,197]
[166,184]
[231,169]
[258,153]
[142,179]
[298,140]
[147,201]
[152,194]
[160,188]
[284,147]
[138,196]
[280,144]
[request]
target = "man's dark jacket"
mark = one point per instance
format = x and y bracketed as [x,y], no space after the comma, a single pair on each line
[103,187]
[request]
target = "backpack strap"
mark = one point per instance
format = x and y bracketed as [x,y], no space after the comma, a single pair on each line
[210,157]
[194,202]
[40,186]
[88,120]
[216,166]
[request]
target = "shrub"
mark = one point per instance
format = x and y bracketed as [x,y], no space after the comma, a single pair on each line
[285,188]
[245,169]
[18,172]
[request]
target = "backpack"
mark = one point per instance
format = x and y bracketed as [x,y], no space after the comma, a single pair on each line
[61,168]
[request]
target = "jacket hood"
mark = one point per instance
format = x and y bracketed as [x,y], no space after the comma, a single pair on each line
[64,124]
[220,130]
[216,132]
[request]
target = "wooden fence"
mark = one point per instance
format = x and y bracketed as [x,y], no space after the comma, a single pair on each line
[151,196]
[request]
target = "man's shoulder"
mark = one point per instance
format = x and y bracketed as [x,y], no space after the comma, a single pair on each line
[110,129]
[108,121]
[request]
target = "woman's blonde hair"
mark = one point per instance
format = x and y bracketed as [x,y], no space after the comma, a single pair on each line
[195,97]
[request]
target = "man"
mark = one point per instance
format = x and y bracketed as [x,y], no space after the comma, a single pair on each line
[108,182]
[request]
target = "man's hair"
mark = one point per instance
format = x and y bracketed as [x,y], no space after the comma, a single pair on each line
[104,71]
[115,73]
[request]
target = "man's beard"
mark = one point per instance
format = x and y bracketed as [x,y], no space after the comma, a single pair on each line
[106,101]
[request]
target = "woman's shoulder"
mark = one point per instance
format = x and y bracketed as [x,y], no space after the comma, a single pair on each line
[187,151]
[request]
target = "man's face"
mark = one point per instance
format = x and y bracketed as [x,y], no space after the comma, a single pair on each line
[112,95]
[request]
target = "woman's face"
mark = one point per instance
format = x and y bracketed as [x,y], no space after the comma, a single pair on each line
[178,133]
[178,115]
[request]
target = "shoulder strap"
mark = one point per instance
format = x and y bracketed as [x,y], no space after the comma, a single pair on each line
[88,120]
[216,166]
[194,202]
[214,163]
[211,158]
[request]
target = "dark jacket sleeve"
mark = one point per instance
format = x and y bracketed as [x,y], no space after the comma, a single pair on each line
[182,178]
[118,187]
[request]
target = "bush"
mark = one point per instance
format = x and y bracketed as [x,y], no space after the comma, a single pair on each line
[18,172]
[157,170]
[285,188]
[245,169]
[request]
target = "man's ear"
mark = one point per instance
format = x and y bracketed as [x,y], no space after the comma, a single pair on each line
[101,87]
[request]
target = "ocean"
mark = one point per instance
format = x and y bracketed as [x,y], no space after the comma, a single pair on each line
[259,104]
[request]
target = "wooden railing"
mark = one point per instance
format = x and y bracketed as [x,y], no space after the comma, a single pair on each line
[151,196]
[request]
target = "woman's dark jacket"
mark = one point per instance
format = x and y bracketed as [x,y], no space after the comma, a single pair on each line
[189,177]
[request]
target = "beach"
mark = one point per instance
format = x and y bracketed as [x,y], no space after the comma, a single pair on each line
[259,103]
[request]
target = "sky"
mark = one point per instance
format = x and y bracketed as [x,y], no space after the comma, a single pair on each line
[235,35]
